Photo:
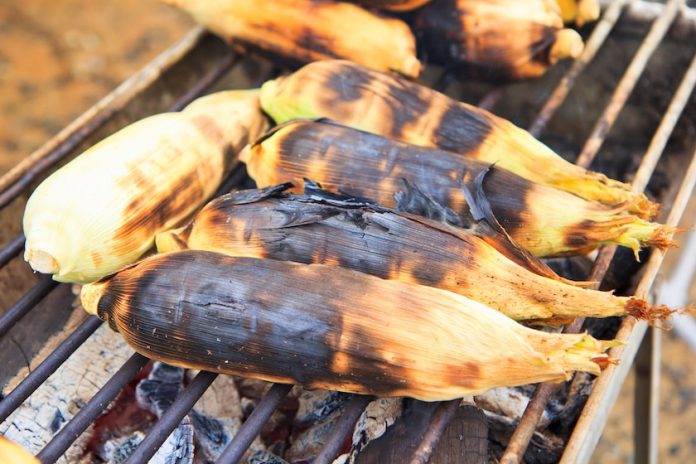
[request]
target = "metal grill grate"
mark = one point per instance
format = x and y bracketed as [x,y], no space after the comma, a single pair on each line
[588,428]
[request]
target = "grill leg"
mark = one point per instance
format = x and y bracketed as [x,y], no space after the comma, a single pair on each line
[647,398]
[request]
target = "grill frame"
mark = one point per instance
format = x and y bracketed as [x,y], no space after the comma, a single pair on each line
[197,46]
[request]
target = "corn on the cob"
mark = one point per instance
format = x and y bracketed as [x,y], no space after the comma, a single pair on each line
[402,110]
[327,327]
[319,229]
[544,220]
[500,39]
[579,12]
[305,31]
[394,5]
[102,210]
[12,453]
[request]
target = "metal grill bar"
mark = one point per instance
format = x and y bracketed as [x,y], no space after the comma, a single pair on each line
[525,429]
[11,250]
[441,418]
[62,440]
[628,82]
[47,367]
[588,428]
[26,303]
[594,43]
[342,429]
[15,246]
[528,423]
[171,418]
[252,426]
[58,147]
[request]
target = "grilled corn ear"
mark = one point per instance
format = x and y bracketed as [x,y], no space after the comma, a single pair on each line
[327,327]
[305,31]
[544,220]
[322,229]
[403,110]
[502,39]
[579,12]
[394,5]
[12,453]
[102,210]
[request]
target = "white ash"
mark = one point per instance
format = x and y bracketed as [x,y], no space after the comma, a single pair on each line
[316,405]
[62,395]
[265,457]
[379,415]
[508,402]
[216,417]
[119,449]
[308,443]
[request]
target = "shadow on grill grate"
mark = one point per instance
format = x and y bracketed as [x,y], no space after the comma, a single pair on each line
[416,436]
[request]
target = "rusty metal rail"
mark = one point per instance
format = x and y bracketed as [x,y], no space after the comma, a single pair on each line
[586,432]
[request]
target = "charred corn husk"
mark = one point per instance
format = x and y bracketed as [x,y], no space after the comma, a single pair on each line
[505,39]
[403,110]
[102,210]
[544,220]
[327,327]
[322,229]
[579,12]
[12,453]
[305,31]
[394,5]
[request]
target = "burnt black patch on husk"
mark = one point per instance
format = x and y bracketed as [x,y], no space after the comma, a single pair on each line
[408,102]
[539,49]
[311,40]
[149,212]
[508,195]
[439,32]
[249,317]
[347,83]
[576,236]
[461,130]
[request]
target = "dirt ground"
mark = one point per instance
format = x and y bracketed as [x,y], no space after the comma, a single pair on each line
[58,58]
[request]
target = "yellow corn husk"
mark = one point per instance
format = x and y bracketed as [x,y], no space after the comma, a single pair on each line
[505,39]
[305,31]
[388,244]
[327,327]
[544,220]
[12,453]
[579,12]
[394,5]
[102,210]
[403,110]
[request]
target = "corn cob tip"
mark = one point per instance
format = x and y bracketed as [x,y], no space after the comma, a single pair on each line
[90,296]
[640,309]
[410,67]
[662,237]
[41,261]
[588,11]
[588,354]
[568,44]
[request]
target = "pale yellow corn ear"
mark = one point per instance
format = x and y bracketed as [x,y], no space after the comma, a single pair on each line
[568,44]
[12,453]
[303,31]
[101,211]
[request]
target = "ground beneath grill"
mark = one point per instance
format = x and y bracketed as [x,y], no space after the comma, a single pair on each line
[58,58]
